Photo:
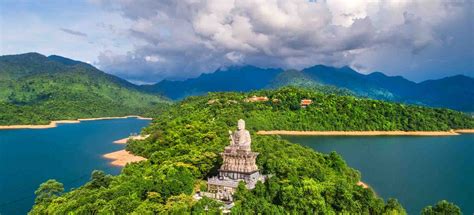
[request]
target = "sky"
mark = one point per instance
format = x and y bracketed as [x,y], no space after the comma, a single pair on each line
[145,41]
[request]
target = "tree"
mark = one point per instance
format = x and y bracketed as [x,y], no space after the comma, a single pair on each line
[48,190]
[99,179]
[394,207]
[441,208]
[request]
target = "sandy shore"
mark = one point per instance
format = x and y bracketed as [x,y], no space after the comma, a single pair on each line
[52,124]
[122,157]
[360,133]
[465,131]
[115,117]
[55,123]
[362,184]
[124,140]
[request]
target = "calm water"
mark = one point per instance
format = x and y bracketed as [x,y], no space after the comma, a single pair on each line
[68,153]
[418,171]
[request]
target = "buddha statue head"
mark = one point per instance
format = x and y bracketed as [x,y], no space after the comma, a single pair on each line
[241,125]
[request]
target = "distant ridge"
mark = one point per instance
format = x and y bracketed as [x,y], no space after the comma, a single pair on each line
[63,60]
[235,78]
[455,92]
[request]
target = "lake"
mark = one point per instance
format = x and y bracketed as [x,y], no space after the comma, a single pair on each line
[68,153]
[418,171]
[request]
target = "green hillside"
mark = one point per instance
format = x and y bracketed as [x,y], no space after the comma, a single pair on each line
[295,78]
[185,142]
[35,89]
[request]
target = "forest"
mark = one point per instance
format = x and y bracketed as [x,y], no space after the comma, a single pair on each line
[35,89]
[186,139]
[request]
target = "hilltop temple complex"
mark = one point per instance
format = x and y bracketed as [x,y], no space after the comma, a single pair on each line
[239,164]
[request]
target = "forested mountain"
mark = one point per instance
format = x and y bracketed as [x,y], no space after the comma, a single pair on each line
[451,92]
[35,89]
[185,142]
[348,78]
[456,92]
[234,78]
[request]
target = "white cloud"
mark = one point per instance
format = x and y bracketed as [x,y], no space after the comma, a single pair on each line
[154,58]
[235,57]
[200,35]
[148,40]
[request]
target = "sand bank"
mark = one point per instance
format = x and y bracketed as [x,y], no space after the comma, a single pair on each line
[359,133]
[125,140]
[55,123]
[52,124]
[362,184]
[122,157]
[465,131]
[115,117]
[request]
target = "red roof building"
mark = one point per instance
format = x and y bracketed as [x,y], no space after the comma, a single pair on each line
[258,99]
[305,102]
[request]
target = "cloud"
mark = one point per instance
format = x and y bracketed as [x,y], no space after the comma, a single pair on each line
[181,39]
[72,32]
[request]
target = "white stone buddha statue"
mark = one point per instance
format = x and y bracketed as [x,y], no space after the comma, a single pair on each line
[241,137]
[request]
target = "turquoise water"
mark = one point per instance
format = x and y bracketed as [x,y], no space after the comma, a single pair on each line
[418,171]
[68,153]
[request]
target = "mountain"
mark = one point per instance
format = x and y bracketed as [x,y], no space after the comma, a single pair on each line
[350,79]
[452,92]
[395,84]
[456,92]
[236,78]
[35,89]
[292,78]
[300,79]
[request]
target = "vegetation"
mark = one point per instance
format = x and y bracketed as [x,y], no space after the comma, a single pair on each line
[299,79]
[442,208]
[185,142]
[35,89]
[453,92]
[47,191]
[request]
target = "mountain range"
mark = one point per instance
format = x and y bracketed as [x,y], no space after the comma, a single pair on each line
[35,89]
[455,92]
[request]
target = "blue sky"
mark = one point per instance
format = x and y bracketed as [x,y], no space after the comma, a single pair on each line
[48,27]
[145,41]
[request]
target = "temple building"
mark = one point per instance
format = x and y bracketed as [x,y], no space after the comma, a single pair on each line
[239,164]
[256,99]
[305,102]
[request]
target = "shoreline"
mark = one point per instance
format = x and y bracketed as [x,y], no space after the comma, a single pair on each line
[363,185]
[54,123]
[122,157]
[366,133]
[125,140]
[465,131]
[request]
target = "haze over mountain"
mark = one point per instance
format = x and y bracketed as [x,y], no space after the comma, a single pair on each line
[453,92]
[36,89]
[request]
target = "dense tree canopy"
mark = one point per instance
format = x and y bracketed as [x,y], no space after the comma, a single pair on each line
[35,89]
[442,208]
[48,190]
[185,142]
